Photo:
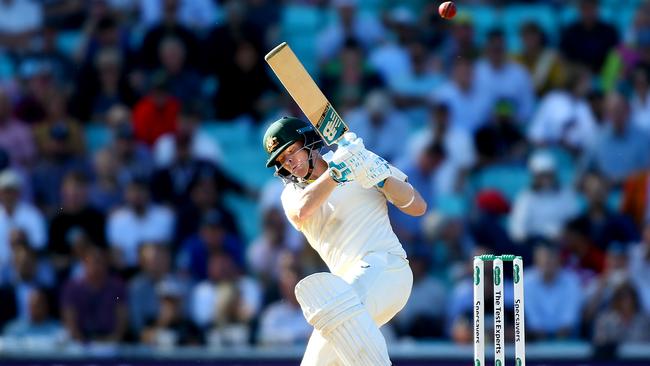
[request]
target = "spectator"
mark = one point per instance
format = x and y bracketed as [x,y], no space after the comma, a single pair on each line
[202,145]
[501,78]
[57,162]
[599,293]
[102,32]
[413,89]
[17,213]
[103,85]
[137,222]
[106,191]
[553,297]
[47,49]
[19,21]
[75,214]
[422,315]
[184,82]
[155,269]
[133,157]
[15,136]
[580,252]
[640,267]
[225,303]
[487,226]
[235,48]
[425,171]
[71,266]
[282,322]
[461,42]
[56,117]
[168,26]
[588,40]
[542,62]
[544,207]
[171,327]
[639,23]
[171,183]
[242,67]
[451,244]
[348,78]
[211,237]
[391,57]
[36,85]
[621,148]
[26,274]
[457,142]
[94,307]
[624,321]
[348,24]
[500,140]
[38,325]
[469,104]
[156,113]
[204,197]
[382,127]
[622,61]
[605,225]
[265,252]
[564,116]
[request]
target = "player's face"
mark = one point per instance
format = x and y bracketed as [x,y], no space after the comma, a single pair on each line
[295,159]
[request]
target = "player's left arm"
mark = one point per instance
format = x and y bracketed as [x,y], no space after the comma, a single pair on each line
[374,171]
[404,196]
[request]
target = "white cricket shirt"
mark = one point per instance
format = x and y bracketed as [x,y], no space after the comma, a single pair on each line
[351,223]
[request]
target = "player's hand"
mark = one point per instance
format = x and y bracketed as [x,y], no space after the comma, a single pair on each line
[376,169]
[348,159]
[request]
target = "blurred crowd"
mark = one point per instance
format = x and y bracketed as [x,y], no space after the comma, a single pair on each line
[526,135]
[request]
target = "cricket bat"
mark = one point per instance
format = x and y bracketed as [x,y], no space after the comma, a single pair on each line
[306,93]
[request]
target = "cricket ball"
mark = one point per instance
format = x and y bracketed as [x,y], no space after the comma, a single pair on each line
[447,10]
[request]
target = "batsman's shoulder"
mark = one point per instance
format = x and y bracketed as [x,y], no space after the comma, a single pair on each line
[289,198]
[290,195]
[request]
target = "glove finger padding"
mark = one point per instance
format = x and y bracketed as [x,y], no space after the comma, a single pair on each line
[376,169]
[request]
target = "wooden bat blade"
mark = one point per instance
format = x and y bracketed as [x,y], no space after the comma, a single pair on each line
[304,91]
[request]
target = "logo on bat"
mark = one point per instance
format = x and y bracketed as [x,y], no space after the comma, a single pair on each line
[477,275]
[331,126]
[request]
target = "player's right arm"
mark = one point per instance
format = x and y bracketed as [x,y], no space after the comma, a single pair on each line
[302,206]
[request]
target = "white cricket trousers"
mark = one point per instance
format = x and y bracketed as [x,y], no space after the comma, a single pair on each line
[383,282]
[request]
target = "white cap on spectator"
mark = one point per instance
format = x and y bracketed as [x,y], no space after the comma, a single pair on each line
[10,179]
[541,162]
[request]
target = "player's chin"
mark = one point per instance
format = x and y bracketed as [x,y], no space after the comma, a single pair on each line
[300,171]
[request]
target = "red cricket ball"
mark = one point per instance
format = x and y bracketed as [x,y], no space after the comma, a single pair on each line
[447,10]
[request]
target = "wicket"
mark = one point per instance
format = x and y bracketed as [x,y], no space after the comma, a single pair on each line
[479,314]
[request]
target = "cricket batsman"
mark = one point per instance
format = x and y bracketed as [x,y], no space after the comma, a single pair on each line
[338,201]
